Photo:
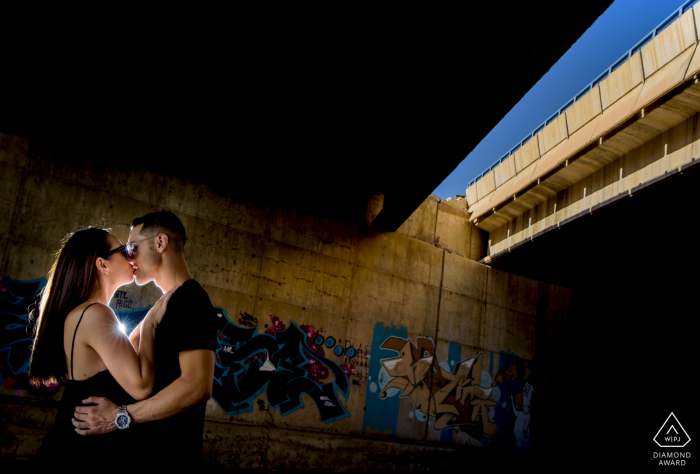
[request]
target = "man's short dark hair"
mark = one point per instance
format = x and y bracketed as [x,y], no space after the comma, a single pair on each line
[164,222]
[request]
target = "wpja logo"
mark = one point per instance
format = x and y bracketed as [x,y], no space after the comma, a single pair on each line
[671,435]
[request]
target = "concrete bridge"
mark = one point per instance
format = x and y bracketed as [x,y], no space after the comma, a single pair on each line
[634,126]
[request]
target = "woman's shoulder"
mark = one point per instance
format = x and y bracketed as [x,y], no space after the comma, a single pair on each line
[91,313]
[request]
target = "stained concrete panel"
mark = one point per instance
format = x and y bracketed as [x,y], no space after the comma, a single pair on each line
[27,262]
[508,330]
[232,302]
[506,169]
[381,297]
[304,278]
[325,236]
[552,134]
[622,80]
[664,79]
[205,203]
[13,149]
[119,212]
[512,292]
[453,230]
[617,112]
[10,178]
[526,154]
[223,257]
[103,175]
[668,44]
[49,208]
[465,277]
[460,319]
[471,195]
[583,110]
[421,223]
[486,185]
[398,255]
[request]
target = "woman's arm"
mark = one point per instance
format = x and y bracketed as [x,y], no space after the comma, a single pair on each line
[131,366]
[134,372]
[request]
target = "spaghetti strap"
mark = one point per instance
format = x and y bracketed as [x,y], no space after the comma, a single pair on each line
[72,347]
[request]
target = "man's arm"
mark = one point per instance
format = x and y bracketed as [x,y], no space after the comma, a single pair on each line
[135,337]
[194,385]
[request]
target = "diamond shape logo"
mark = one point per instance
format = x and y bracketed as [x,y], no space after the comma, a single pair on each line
[672,434]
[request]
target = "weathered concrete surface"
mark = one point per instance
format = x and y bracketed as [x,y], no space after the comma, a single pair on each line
[351,287]
[445,224]
[267,447]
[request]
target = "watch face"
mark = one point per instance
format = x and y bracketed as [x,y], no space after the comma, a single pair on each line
[122,421]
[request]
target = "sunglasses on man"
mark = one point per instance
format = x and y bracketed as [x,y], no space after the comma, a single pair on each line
[128,249]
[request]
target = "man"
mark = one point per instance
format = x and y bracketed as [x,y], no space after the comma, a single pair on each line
[173,418]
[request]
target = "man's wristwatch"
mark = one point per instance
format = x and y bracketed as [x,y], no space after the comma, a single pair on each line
[123,419]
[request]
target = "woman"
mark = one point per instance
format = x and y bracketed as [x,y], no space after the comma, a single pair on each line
[78,338]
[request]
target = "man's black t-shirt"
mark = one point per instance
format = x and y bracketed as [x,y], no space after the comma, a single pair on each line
[189,323]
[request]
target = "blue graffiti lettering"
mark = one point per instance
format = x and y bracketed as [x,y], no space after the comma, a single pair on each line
[15,341]
[248,364]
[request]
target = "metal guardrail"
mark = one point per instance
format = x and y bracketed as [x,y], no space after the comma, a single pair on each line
[648,37]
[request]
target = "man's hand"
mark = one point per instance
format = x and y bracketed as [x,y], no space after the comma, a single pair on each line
[97,419]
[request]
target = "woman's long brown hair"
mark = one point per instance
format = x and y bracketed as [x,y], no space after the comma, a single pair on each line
[73,278]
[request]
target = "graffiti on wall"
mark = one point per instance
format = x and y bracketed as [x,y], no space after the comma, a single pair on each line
[521,411]
[288,360]
[284,362]
[453,396]
[353,357]
[513,412]
[454,399]
[15,340]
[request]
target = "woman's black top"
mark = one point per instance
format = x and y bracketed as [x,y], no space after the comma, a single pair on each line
[63,443]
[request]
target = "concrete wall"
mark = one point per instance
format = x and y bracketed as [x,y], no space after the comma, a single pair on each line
[445,224]
[404,347]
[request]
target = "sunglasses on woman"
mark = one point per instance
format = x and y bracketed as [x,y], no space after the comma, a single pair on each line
[121,249]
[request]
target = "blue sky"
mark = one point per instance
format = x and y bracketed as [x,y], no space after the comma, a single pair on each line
[612,35]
